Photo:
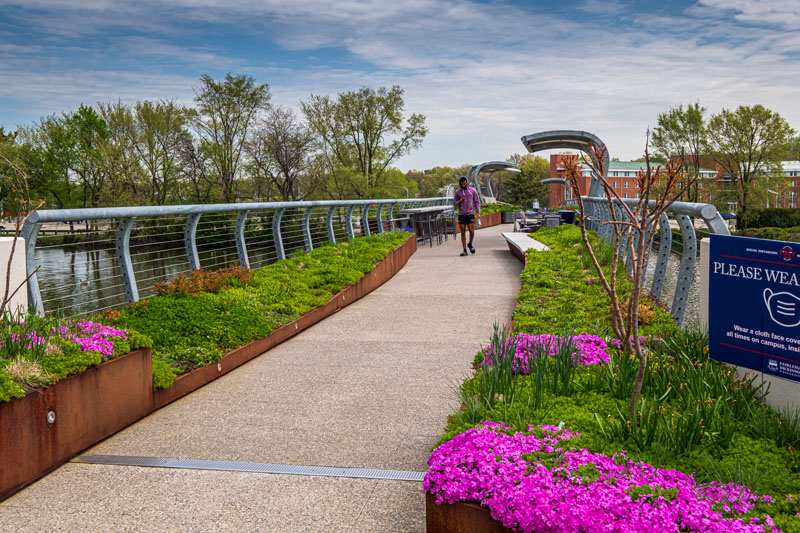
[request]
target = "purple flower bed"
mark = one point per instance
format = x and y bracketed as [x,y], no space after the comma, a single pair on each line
[528,482]
[93,337]
[591,349]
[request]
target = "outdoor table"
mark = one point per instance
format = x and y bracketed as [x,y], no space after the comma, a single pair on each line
[425,220]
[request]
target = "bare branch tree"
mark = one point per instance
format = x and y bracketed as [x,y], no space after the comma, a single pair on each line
[633,232]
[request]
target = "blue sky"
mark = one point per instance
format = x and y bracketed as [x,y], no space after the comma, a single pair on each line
[484,73]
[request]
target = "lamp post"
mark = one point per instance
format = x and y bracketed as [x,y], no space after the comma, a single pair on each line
[406,188]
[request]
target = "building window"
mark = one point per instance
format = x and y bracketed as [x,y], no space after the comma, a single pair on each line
[699,185]
[626,195]
[616,184]
[794,184]
[637,195]
[627,184]
[792,199]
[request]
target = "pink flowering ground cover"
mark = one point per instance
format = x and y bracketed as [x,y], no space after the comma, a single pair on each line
[532,482]
[591,349]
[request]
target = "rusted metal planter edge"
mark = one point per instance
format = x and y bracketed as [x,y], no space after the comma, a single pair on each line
[383,271]
[487,221]
[87,407]
[462,517]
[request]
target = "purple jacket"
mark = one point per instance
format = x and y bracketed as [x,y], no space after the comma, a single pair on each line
[473,202]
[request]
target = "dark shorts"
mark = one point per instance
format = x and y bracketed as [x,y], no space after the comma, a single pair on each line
[466,219]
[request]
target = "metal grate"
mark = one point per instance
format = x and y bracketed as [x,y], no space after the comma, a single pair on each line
[261,468]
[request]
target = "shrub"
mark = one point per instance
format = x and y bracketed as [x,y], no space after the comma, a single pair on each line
[774,217]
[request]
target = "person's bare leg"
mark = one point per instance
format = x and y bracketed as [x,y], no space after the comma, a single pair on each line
[471,237]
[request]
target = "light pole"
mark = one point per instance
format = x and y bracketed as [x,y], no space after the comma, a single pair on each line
[406,188]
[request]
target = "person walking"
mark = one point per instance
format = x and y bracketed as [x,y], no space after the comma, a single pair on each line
[468,202]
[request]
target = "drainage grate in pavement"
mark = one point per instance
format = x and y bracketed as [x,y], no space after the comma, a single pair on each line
[262,468]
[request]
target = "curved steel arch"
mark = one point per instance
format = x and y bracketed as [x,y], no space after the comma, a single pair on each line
[574,139]
[491,167]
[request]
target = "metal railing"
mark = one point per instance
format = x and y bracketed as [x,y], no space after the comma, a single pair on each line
[598,211]
[95,259]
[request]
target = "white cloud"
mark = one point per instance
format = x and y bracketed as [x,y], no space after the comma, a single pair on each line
[483,74]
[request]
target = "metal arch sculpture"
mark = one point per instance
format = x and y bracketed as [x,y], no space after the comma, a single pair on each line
[574,139]
[491,167]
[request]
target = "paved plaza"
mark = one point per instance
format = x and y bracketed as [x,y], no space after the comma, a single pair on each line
[369,387]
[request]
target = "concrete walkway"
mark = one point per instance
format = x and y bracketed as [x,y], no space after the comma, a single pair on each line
[368,387]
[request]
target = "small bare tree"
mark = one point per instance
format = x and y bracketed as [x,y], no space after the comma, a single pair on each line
[633,232]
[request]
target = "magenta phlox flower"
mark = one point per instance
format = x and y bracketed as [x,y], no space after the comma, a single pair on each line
[530,482]
[93,337]
[590,349]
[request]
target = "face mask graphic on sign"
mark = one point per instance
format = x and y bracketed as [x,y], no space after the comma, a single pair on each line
[783,307]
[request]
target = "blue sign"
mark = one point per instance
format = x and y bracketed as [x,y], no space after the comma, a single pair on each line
[754,304]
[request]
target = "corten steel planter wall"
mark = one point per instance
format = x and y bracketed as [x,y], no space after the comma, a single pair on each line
[383,271]
[88,407]
[487,221]
[462,517]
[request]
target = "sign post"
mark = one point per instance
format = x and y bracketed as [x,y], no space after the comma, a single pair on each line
[754,304]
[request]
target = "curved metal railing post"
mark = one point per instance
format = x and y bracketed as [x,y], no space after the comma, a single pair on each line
[380,218]
[241,247]
[329,224]
[309,245]
[391,215]
[122,242]
[664,248]
[190,240]
[277,238]
[686,272]
[29,232]
[365,220]
[350,232]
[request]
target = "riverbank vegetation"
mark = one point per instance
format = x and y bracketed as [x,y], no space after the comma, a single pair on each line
[545,441]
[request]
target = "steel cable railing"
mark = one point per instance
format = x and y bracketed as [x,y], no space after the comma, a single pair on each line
[599,211]
[109,257]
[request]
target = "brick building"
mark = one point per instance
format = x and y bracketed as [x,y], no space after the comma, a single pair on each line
[622,176]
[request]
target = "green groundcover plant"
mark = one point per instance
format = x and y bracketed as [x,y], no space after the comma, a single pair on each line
[707,453]
[196,319]
[38,351]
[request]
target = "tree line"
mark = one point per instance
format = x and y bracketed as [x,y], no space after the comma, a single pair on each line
[746,145]
[232,145]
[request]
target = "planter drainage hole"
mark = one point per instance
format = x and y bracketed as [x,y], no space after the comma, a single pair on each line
[219,367]
[51,417]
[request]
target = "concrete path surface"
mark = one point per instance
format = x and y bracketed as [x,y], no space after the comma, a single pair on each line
[369,387]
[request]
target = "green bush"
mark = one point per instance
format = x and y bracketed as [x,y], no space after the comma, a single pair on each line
[191,329]
[774,234]
[497,207]
[772,217]
[8,387]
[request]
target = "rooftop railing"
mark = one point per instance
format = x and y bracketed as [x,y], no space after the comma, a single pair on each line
[95,259]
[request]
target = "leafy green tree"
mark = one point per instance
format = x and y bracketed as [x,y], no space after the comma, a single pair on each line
[161,130]
[90,132]
[523,187]
[748,145]
[362,131]
[118,156]
[226,111]
[682,133]
[50,155]
[434,181]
